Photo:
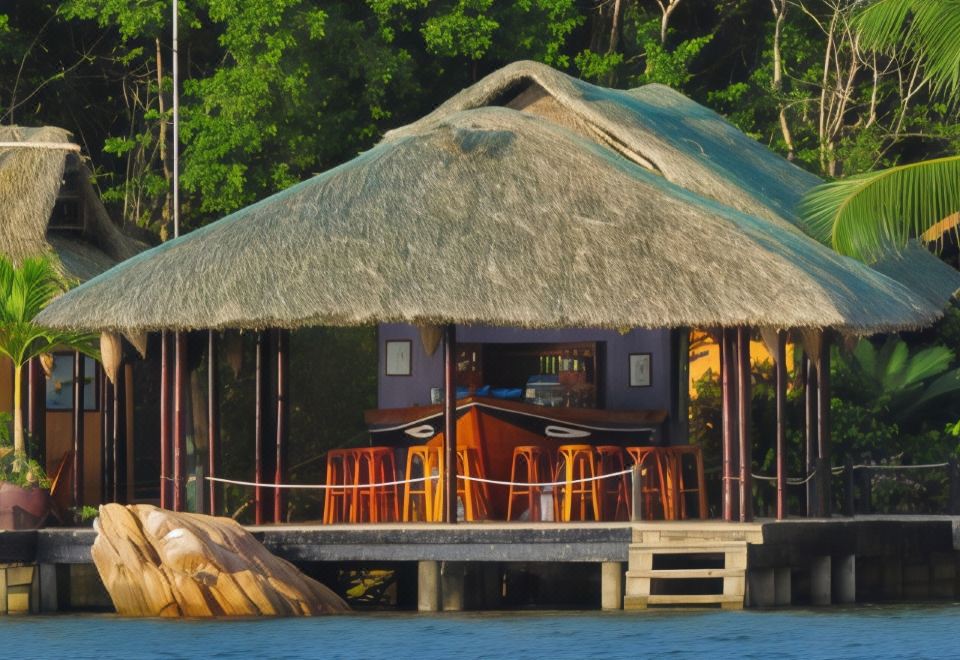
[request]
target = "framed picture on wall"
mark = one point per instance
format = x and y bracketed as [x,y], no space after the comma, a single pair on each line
[398,357]
[640,373]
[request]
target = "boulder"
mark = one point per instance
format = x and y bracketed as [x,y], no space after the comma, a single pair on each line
[155,562]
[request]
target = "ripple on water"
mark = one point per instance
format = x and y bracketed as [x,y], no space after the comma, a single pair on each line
[853,633]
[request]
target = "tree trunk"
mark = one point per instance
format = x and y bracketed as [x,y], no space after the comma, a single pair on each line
[19,447]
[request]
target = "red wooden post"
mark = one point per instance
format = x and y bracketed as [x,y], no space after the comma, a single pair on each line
[78,383]
[450,423]
[743,422]
[258,434]
[823,424]
[810,404]
[213,417]
[781,364]
[728,375]
[179,421]
[281,438]
[119,441]
[37,408]
[164,422]
[106,437]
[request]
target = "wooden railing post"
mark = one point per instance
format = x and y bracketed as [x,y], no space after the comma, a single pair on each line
[636,493]
[849,501]
[954,472]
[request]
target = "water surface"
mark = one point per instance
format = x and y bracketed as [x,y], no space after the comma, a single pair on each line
[861,632]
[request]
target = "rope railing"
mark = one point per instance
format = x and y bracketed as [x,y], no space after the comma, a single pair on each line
[433,477]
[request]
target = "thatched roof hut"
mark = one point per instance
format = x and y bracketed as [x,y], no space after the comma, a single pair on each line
[50,206]
[530,199]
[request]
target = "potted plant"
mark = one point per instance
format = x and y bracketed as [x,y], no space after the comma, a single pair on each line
[24,291]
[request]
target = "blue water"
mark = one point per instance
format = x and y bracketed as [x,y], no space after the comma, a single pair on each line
[861,632]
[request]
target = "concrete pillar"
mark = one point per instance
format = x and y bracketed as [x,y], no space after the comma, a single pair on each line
[845,579]
[35,591]
[782,587]
[48,588]
[428,586]
[892,578]
[820,581]
[611,585]
[761,587]
[452,582]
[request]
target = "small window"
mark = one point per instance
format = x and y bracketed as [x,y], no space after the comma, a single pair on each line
[60,383]
[68,211]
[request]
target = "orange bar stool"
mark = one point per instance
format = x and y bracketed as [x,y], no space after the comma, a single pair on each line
[614,491]
[531,464]
[374,503]
[473,494]
[419,497]
[338,500]
[656,492]
[576,462]
[676,456]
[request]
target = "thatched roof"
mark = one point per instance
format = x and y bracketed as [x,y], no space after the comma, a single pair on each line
[687,143]
[30,181]
[498,216]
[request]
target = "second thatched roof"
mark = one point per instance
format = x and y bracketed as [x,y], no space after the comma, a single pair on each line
[33,165]
[497,216]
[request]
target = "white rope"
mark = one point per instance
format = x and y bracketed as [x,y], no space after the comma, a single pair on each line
[927,466]
[525,484]
[322,486]
[522,484]
[791,481]
[64,146]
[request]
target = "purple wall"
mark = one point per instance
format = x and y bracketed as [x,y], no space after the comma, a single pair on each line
[427,371]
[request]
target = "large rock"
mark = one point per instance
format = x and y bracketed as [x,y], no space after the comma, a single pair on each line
[155,562]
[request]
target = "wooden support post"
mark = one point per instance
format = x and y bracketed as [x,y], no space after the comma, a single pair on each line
[37,408]
[781,360]
[118,429]
[810,435]
[954,474]
[179,421]
[105,437]
[281,436]
[743,422]
[636,493]
[78,383]
[450,423]
[164,421]
[258,434]
[728,375]
[213,417]
[849,501]
[823,424]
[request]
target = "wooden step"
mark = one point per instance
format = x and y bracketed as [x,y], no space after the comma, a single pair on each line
[692,546]
[642,602]
[686,573]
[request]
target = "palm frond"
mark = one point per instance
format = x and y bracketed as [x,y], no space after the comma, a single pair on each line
[929,28]
[864,215]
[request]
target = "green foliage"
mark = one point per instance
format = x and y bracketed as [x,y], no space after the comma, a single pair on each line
[930,28]
[896,382]
[24,291]
[864,215]
[15,469]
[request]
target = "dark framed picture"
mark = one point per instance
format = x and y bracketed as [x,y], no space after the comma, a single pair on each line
[60,383]
[397,357]
[640,371]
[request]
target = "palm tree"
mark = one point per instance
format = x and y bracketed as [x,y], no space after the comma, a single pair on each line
[863,215]
[24,291]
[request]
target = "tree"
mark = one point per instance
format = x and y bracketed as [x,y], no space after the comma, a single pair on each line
[24,291]
[863,215]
